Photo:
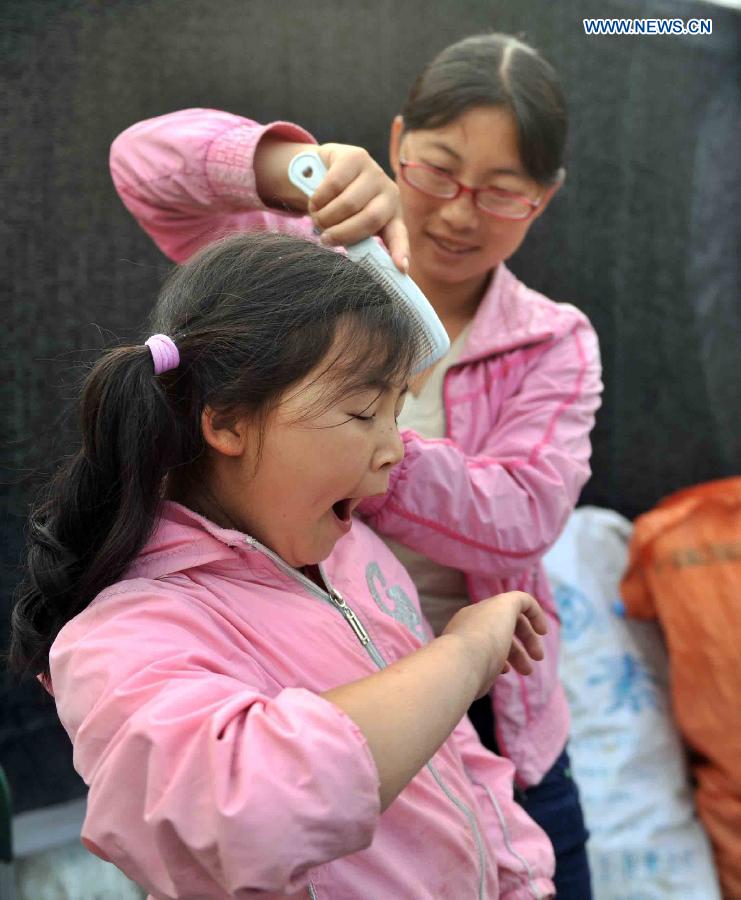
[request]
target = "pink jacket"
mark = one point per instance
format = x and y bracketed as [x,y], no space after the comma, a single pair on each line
[190,691]
[520,403]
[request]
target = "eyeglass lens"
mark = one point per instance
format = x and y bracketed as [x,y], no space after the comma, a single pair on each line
[438,184]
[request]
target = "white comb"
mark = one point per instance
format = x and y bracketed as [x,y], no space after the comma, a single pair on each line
[306,170]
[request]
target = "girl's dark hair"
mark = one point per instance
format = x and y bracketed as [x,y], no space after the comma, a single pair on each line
[250,316]
[496,70]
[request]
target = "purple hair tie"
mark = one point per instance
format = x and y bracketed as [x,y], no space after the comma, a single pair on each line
[164,353]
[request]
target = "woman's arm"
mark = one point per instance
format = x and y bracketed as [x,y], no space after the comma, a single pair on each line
[188,178]
[496,512]
[195,175]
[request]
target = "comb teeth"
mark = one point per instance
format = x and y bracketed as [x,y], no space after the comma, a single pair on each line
[425,347]
[306,170]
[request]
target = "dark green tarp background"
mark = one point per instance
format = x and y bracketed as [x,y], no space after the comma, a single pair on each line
[644,237]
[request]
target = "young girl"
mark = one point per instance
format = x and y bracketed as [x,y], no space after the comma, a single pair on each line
[242,668]
[500,443]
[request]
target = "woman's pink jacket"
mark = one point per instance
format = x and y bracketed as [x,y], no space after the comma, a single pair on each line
[191,691]
[519,404]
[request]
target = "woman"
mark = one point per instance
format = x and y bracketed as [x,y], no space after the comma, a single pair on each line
[500,443]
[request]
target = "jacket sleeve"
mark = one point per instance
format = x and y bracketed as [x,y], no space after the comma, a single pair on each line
[201,784]
[497,512]
[524,853]
[188,178]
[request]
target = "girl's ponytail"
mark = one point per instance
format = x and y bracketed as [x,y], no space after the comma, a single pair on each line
[252,315]
[100,507]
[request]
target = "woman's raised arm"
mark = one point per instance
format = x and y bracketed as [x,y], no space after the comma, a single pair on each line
[195,175]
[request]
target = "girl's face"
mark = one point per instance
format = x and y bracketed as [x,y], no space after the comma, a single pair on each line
[452,241]
[298,497]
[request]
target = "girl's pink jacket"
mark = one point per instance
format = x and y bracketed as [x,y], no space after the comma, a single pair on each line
[190,690]
[520,403]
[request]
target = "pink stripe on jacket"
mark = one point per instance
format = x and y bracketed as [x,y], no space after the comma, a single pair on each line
[190,690]
[520,403]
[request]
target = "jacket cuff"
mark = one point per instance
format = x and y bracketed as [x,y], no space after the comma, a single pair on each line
[229,161]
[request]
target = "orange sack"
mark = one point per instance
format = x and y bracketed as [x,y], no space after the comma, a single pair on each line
[685,571]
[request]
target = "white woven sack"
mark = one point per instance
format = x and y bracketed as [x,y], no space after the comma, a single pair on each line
[627,758]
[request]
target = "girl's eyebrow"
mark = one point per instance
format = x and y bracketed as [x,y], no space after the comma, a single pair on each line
[440,145]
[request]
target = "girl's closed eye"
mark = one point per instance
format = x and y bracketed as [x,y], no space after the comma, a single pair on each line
[366,410]
[365,415]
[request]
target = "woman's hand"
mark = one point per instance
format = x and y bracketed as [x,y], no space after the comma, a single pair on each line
[357,199]
[501,632]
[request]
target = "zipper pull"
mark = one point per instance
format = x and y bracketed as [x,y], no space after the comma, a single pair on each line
[352,619]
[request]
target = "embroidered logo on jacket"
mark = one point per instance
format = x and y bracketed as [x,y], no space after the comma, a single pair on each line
[402,609]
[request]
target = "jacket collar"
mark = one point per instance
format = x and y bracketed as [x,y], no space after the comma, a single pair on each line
[183,539]
[509,316]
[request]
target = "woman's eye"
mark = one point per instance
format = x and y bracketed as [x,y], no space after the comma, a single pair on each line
[509,191]
[431,165]
[363,418]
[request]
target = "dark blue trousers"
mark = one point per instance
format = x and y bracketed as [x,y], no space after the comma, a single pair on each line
[554,805]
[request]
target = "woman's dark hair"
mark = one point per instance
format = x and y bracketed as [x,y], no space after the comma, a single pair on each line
[496,70]
[251,315]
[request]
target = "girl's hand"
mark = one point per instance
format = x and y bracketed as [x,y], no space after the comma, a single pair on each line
[426,693]
[501,633]
[357,199]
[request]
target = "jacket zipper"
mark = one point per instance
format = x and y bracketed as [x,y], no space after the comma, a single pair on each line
[349,614]
[508,843]
[363,637]
[338,601]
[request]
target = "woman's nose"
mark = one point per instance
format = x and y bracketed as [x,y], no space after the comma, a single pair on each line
[460,213]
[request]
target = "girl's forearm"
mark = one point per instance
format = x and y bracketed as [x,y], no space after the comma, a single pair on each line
[407,710]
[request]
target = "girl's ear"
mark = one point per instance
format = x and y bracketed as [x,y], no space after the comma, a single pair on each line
[225,434]
[397,130]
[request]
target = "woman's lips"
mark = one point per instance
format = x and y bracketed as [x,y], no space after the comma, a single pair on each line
[453,248]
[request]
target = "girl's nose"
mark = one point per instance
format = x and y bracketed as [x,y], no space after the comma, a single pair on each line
[390,450]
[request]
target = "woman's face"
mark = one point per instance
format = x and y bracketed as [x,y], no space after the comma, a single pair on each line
[452,241]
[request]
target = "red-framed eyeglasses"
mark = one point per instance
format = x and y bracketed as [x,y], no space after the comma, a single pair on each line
[493,201]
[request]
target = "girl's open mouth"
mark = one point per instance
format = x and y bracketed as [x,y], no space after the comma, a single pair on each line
[343,509]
